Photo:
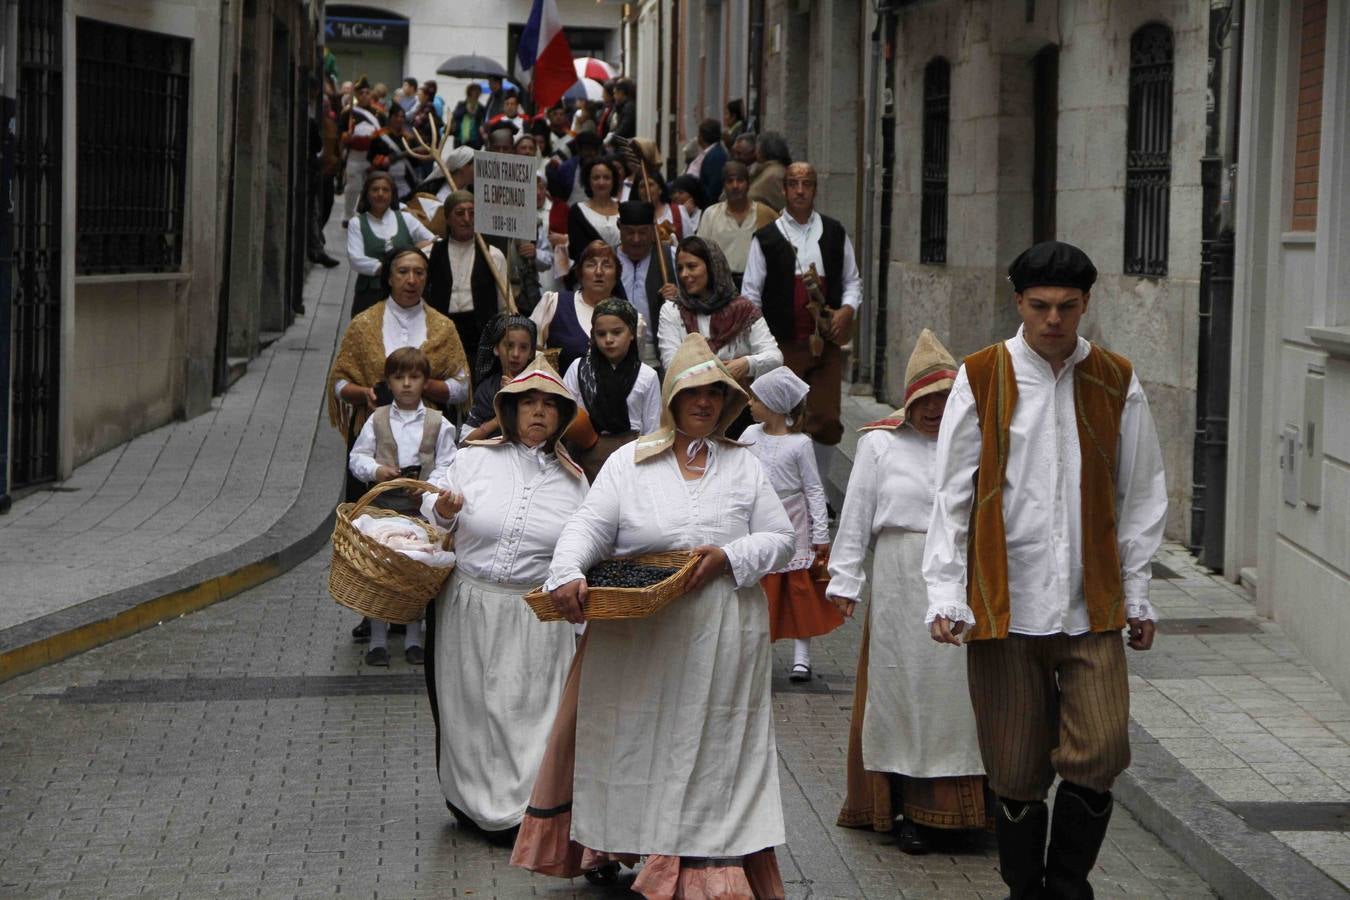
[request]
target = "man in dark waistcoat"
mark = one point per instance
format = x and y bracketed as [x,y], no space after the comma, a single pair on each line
[460,282]
[802,273]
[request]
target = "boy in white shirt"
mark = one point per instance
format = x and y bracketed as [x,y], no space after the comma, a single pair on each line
[403,439]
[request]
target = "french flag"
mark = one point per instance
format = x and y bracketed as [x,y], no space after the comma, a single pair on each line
[544,51]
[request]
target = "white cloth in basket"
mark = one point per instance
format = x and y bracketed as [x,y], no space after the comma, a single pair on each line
[405,536]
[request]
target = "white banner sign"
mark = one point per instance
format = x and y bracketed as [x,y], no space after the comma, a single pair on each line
[504,195]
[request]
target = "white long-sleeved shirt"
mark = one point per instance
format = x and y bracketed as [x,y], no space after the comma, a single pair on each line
[406,426]
[385,228]
[644,400]
[406,326]
[650,507]
[756,343]
[805,239]
[516,501]
[789,462]
[891,486]
[1042,511]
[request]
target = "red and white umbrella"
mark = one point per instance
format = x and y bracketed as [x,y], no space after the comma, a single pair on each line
[594,69]
[585,89]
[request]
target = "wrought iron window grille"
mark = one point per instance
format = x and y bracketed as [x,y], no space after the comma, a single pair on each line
[1148,158]
[132,147]
[937,77]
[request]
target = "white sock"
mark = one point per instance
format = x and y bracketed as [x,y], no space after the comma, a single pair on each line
[379,634]
[801,652]
[414,636]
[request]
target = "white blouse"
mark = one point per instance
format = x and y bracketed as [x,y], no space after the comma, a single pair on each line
[644,400]
[516,501]
[1041,499]
[605,226]
[756,343]
[650,507]
[385,227]
[790,462]
[891,486]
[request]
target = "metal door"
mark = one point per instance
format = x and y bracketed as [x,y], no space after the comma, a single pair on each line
[37,245]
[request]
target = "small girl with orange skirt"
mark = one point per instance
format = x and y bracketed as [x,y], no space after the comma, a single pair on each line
[797,605]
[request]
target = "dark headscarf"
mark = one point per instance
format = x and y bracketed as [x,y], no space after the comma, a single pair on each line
[730,313]
[605,386]
[487,365]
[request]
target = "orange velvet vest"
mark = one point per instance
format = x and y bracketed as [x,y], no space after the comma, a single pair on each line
[1099,385]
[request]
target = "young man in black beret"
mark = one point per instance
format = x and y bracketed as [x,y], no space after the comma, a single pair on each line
[1050,506]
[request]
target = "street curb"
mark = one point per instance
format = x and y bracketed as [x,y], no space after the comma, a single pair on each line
[300,532]
[1233,858]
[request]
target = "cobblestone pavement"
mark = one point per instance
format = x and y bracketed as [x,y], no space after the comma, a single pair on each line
[245,751]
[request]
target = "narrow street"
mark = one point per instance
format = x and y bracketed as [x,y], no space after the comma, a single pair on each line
[245,751]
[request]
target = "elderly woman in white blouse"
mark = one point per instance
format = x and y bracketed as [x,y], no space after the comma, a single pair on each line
[495,672]
[673,756]
[907,755]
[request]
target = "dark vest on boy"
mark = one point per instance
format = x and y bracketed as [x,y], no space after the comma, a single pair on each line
[386,454]
[780,271]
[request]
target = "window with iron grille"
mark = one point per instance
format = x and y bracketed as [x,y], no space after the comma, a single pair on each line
[1148,158]
[937,79]
[131,136]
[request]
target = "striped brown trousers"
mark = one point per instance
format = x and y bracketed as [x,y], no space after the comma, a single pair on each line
[1047,705]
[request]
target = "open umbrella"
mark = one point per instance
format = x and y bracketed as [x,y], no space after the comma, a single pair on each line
[594,69]
[507,85]
[471,65]
[585,89]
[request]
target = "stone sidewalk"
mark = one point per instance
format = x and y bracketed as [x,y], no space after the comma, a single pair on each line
[185,514]
[1241,750]
[245,751]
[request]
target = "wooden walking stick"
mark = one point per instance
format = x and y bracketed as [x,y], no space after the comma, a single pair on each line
[434,150]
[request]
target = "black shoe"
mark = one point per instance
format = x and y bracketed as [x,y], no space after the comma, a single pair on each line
[1076,835]
[606,874]
[504,838]
[415,656]
[361,633]
[911,839]
[324,260]
[1021,831]
[800,673]
[377,656]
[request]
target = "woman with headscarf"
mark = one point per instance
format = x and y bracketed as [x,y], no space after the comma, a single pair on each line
[564,317]
[906,754]
[707,303]
[495,673]
[505,348]
[664,742]
[379,226]
[620,394]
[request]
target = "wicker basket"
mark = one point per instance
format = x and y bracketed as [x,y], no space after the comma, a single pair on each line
[376,580]
[627,603]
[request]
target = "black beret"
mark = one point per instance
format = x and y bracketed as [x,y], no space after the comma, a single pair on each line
[1052,264]
[636,212]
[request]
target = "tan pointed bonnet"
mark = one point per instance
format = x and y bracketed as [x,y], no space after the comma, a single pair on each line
[931,369]
[538,376]
[693,365]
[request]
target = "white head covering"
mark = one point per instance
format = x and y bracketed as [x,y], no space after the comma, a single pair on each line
[780,390]
[457,158]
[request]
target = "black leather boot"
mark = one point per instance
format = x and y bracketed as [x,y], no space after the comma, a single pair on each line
[1076,835]
[1021,846]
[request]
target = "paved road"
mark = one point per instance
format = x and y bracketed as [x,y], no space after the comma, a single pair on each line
[245,751]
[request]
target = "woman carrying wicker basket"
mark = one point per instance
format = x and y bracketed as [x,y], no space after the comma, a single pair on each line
[494,672]
[664,742]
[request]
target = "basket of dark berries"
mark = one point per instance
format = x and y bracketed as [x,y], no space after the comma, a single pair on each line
[628,588]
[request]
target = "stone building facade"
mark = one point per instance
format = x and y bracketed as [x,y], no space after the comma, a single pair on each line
[158,212]
[1289,431]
